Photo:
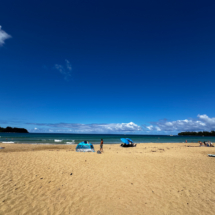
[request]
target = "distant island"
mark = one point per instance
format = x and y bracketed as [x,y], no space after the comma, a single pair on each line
[14,130]
[200,133]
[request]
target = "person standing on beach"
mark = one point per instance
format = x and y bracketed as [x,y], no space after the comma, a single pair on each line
[101,145]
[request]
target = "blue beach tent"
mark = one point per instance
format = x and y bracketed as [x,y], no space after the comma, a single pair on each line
[85,147]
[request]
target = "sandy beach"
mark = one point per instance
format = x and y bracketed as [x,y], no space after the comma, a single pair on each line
[149,179]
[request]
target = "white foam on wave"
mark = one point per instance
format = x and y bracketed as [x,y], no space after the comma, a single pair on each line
[8,142]
[35,143]
[70,143]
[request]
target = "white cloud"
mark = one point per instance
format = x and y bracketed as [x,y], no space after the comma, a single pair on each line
[203,123]
[206,119]
[89,128]
[157,128]
[150,127]
[66,72]
[3,36]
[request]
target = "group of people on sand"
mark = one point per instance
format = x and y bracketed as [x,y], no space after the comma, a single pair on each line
[128,145]
[207,144]
[131,144]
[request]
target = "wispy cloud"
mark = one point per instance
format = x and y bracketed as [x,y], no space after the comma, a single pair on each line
[202,123]
[66,72]
[3,36]
[10,122]
[68,65]
[89,128]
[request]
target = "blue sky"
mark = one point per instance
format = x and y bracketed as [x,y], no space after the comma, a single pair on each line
[144,67]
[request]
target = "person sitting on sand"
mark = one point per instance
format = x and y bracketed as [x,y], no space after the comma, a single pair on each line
[210,144]
[131,143]
[201,143]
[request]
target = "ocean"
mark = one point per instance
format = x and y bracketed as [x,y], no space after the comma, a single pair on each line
[56,138]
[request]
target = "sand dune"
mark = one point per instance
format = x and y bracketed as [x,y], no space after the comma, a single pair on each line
[148,179]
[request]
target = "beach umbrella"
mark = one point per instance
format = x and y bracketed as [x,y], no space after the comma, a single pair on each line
[125,141]
[130,140]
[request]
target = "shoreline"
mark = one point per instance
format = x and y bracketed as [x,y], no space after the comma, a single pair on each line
[119,143]
[96,138]
[8,147]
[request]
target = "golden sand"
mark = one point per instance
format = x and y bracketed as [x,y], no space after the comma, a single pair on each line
[149,179]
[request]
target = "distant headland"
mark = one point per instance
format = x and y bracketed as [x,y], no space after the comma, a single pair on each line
[200,133]
[13,130]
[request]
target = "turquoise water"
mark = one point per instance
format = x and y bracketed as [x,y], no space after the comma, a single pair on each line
[37,138]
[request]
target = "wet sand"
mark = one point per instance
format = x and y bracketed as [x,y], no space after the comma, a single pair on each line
[148,179]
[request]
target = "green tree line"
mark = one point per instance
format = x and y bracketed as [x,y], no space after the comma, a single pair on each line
[14,130]
[200,133]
